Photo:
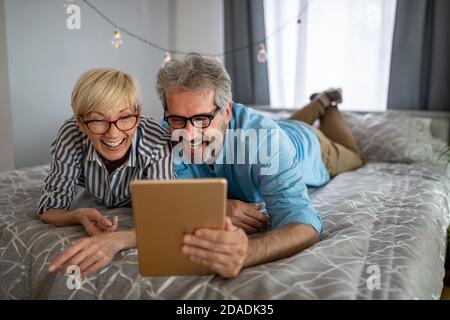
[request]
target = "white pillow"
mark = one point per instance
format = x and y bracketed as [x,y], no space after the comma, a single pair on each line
[394,137]
[389,137]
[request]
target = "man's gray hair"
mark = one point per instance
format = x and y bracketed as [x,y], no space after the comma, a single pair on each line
[192,73]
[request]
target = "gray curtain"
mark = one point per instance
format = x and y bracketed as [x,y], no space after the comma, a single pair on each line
[420,68]
[244,26]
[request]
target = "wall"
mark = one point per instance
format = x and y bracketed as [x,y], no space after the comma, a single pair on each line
[45,59]
[198,25]
[6,153]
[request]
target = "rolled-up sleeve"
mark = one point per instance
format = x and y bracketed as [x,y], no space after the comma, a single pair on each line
[283,189]
[60,184]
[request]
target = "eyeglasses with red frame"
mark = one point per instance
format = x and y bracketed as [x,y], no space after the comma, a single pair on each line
[125,123]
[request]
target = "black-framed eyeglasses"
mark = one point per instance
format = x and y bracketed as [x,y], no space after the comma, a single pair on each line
[125,123]
[200,121]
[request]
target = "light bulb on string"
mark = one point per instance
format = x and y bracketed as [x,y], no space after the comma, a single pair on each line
[117,41]
[167,58]
[262,54]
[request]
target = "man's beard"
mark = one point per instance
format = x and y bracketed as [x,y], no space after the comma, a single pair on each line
[209,147]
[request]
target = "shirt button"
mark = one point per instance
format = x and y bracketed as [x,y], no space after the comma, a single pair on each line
[280,182]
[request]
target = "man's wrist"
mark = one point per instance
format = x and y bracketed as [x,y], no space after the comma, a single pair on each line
[125,239]
[250,255]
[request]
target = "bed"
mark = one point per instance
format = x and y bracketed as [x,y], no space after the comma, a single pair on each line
[385,237]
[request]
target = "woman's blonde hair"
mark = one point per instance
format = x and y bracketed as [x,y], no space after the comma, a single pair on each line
[105,88]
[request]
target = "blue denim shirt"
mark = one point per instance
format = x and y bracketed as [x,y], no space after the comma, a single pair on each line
[292,161]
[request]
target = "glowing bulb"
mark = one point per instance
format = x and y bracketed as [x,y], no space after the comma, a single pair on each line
[117,35]
[167,58]
[262,54]
[117,41]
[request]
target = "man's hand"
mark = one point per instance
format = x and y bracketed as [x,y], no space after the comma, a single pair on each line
[246,216]
[94,222]
[89,254]
[222,251]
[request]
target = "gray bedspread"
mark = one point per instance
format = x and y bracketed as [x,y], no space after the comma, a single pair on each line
[385,217]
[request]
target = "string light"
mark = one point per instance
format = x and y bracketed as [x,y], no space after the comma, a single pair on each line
[167,58]
[261,55]
[117,41]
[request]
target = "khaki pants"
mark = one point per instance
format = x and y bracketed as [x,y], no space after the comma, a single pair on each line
[340,152]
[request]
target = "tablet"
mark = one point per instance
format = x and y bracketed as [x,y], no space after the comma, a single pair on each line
[164,211]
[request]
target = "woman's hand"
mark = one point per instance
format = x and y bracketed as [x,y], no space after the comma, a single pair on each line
[246,216]
[89,254]
[94,222]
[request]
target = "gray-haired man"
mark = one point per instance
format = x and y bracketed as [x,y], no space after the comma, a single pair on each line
[196,95]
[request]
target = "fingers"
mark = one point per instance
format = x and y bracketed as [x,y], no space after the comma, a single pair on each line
[66,255]
[248,229]
[255,214]
[205,244]
[101,220]
[98,256]
[217,235]
[94,223]
[222,251]
[231,235]
[252,221]
[228,225]
[89,254]
[246,216]
[91,228]
[83,254]
[210,256]
[94,268]
[88,262]
[115,224]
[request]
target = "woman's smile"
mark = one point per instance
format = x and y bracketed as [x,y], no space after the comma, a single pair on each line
[113,144]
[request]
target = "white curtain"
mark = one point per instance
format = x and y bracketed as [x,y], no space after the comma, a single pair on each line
[341,43]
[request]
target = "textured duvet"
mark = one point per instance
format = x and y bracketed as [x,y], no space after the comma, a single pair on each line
[384,238]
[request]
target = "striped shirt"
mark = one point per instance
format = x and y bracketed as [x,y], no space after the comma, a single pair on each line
[76,162]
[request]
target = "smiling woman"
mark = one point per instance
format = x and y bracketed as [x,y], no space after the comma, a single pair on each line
[112,138]
[103,147]
[103,94]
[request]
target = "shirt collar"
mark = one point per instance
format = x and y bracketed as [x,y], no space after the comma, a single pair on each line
[221,157]
[93,155]
[132,156]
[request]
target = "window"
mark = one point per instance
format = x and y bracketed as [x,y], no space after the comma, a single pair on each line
[340,43]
